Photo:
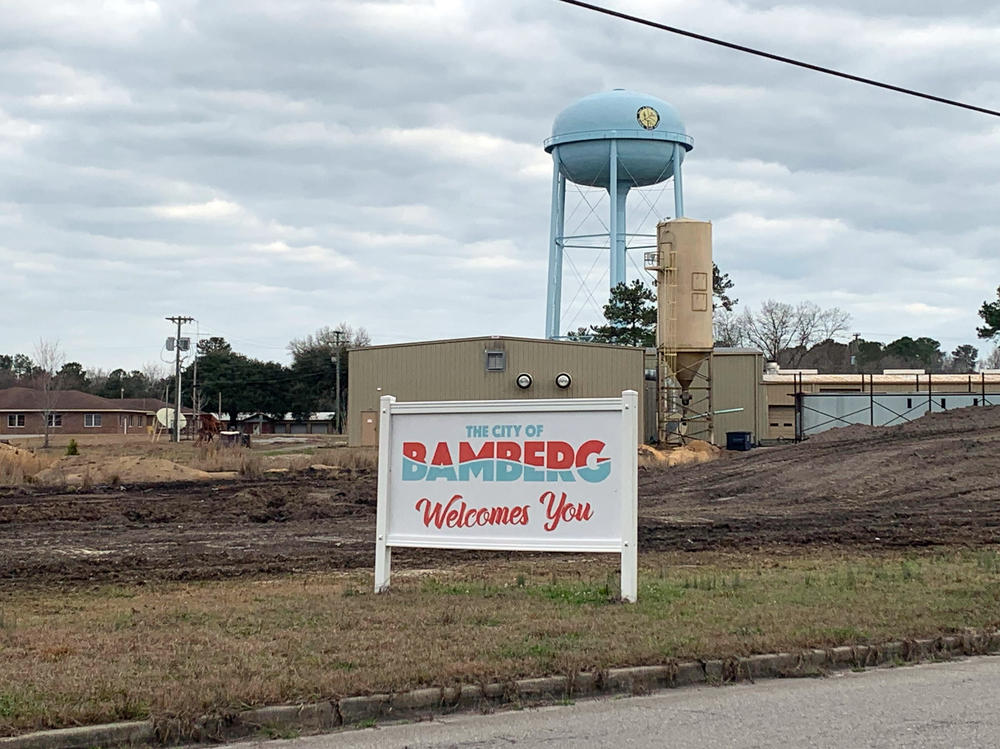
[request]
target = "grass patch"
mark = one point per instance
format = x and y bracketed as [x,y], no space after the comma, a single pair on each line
[176,651]
[18,465]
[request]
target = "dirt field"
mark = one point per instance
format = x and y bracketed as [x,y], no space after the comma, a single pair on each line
[930,482]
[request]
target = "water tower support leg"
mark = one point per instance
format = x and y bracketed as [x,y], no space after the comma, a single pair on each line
[678,182]
[553,303]
[620,243]
[615,228]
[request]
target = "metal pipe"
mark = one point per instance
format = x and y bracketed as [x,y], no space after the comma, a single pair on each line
[678,182]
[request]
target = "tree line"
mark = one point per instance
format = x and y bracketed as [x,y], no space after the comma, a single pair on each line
[22,370]
[240,383]
[802,335]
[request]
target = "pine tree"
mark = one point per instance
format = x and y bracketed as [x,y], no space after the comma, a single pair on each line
[631,316]
[990,312]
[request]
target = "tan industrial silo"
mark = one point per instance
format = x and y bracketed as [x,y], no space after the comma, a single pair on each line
[683,265]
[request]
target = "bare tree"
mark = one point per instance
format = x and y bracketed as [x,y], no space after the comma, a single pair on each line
[778,328]
[726,328]
[992,361]
[327,338]
[49,359]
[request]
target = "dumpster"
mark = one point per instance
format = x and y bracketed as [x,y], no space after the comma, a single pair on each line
[738,441]
[234,439]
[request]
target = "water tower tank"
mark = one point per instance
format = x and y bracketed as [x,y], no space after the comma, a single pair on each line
[615,140]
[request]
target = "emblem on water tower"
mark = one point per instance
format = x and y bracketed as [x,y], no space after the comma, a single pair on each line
[648,117]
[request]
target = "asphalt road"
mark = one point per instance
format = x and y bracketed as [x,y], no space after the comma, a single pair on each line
[951,705]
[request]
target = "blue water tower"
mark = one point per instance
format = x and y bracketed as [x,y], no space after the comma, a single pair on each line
[615,140]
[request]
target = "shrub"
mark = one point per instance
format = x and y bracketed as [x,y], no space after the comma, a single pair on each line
[71,448]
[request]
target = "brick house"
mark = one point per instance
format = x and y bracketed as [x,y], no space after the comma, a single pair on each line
[22,413]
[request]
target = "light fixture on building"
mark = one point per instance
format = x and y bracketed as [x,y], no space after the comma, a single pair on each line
[523,380]
[563,380]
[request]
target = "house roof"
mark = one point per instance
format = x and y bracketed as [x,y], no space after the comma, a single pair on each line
[31,399]
[143,404]
[494,338]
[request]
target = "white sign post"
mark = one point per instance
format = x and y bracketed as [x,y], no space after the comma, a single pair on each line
[531,475]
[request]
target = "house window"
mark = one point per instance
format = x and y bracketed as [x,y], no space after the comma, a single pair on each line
[15,421]
[91,420]
[496,361]
[55,420]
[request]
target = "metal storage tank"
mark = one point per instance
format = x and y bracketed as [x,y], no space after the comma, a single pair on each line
[617,140]
[682,262]
[689,243]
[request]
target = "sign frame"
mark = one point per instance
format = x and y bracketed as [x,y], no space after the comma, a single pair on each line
[628,486]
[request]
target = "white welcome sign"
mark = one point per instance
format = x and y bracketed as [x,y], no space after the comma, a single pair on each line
[531,475]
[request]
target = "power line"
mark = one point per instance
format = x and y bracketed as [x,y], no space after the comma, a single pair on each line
[779,58]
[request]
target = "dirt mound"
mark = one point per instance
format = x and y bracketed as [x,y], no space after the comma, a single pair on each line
[925,482]
[958,420]
[930,482]
[693,452]
[77,470]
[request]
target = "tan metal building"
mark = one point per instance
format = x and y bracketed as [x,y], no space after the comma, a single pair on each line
[484,368]
[925,392]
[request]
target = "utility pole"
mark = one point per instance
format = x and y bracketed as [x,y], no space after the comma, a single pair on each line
[338,334]
[195,404]
[180,320]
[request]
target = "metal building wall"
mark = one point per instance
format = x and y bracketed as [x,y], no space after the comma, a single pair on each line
[822,411]
[781,389]
[737,382]
[456,370]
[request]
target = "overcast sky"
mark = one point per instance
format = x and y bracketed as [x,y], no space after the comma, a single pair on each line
[271,167]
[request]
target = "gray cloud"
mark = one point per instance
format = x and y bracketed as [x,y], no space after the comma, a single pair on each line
[294,164]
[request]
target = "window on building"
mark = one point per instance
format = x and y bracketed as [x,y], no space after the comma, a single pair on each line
[15,421]
[91,420]
[55,420]
[496,361]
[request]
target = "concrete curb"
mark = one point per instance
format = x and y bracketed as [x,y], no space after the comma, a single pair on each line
[136,733]
[355,712]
